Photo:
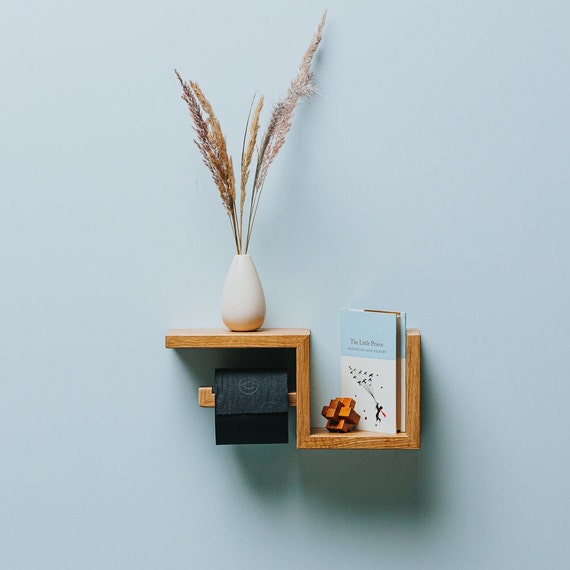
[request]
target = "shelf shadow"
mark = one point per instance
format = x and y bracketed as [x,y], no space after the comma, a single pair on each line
[365,483]
[377,483]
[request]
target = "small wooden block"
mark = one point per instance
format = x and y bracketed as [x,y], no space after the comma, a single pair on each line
[350,415]
[345,412]
[332,411]
[331,426]
[341,415]
[336,404]
[343,426]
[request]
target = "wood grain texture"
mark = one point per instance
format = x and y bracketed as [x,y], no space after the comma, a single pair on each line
[303,367]
[413,377]
[221,338]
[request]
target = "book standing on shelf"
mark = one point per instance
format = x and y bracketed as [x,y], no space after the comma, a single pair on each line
[373,348]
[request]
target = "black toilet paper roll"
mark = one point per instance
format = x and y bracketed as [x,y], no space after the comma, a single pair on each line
[251,406]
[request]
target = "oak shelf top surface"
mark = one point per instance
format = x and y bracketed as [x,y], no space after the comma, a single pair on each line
[223,338]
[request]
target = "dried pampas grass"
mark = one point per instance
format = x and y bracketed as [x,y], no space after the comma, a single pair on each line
[211,142]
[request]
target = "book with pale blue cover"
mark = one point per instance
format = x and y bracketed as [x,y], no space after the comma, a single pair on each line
[372,345]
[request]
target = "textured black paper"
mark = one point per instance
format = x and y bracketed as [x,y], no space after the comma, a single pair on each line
[251,406]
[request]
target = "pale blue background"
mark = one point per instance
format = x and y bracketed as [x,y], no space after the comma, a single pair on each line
[431,175]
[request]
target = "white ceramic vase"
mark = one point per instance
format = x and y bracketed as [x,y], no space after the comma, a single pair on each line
[243,301]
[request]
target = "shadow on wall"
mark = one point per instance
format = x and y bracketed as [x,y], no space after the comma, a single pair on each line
[377,483]
[363,482]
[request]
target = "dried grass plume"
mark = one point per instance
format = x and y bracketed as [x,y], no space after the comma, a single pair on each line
[211,142]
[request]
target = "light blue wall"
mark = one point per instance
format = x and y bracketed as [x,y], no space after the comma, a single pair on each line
[432,174]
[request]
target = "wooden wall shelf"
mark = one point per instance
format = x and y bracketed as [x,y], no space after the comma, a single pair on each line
[299,339]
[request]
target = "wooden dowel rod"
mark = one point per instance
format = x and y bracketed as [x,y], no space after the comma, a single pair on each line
[207,398]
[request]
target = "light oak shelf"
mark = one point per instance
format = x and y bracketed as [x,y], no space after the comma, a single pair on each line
[320,438]
[221,338]
[299,339]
